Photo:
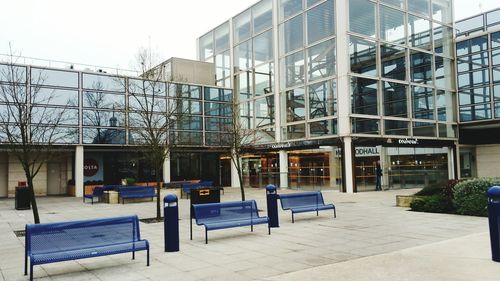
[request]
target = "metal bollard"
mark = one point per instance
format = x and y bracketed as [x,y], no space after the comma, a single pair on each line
[272,206]
[494,221]
[171,223]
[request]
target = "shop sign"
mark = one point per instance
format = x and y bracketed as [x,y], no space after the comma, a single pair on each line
[90,167]
[362,151]
[409,141]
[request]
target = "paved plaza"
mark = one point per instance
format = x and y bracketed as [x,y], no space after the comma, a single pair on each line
[370,239]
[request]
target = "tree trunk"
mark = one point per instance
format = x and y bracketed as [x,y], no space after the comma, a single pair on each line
[158,190]
[240,178]
[31,190]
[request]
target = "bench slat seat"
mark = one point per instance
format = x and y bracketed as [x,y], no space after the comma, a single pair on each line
[305,202]
[127,192]
[215,216]
[62,241]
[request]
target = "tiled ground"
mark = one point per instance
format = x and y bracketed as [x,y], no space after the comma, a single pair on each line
[367,224]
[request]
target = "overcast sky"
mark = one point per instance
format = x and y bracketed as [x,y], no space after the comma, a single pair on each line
[109,32]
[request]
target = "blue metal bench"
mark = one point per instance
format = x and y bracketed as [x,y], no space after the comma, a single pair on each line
[305,202]
[127,192]
[98,192]
[63,241]
[227,215]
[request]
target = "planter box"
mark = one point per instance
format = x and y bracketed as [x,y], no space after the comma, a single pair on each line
[405,200]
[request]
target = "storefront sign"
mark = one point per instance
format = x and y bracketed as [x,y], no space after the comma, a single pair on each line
[90,167]
[413,141]
[361,151]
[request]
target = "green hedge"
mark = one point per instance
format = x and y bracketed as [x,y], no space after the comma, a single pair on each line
[436,203]
[470,196]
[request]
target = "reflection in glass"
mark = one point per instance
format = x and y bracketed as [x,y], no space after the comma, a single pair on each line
[424,129]
[419,6]
[262,15]
[323,128]
[395,101]
[296,131]
[392,25]
[469,25]
[289,8]
[54,96]
[217,124]
[243,81]
[54,115]
[495,40]
[321,59]
[419,32]
[445,103]
[12,73]
[295,105]
[264,111]
[189,138]
[475,112]
[476,95]
[218,109]
[263,47]
[294,69]
[189,123]
[322,100]
[218,139]
[320,22]
[396,127]
[184,91]
[364,96]
[393,61]
[443,72]
[243,55]
[476,61]
[222,38]
[103,136]
[443,40]
[48,77]
[362,17]
[421,67]
[447,130]
[363,55]
[292,35]
[217,94]
[246,115]
[473,79]
[365,126]
[264,79]
[241,24]
[397,3]
[103,83]
[423,103]
[206,43]
[442,11]
[56,135]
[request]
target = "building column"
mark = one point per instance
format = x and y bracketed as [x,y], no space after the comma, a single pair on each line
[283,169]
[334,164]
[166,169]
[79,189]
[347,161]
[385,164]
[451,163]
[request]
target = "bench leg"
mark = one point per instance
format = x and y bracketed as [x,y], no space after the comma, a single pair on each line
[317,212]
[31,272]
[293,220]
[133,255]
[206,236]
[191,228]
[25,265]
[148,256]
[251,227]
[268,229]
[334,213]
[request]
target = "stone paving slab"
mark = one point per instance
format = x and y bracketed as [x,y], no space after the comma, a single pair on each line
[367,224]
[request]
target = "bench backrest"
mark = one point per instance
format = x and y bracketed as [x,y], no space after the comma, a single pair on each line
[98,191]
[74,235]
[225,211]
[206,183]
[136,189]
[301,199]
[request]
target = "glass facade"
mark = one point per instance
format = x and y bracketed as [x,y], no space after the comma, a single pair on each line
[102,109]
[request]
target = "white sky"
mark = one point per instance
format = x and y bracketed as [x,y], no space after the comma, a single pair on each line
[109,32]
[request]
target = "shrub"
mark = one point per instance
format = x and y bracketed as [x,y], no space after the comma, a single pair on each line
[436,203]
[130,181]
[470,196]
[431,189]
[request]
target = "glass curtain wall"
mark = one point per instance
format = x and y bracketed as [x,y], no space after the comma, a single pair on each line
[401,68]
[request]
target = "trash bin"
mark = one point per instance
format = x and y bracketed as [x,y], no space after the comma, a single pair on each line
[202,195]
[272,206]
[22,198]
[171,223]
[494,221]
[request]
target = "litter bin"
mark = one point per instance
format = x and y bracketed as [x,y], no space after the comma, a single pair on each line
[171,223]
[272,205]
[202,195]
[494,221]
[22,200]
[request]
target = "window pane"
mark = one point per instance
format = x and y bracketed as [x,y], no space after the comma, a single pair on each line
[395,101]
[295,104]
[423,103]
[393,62]
[217,94]
[294,69]
[242,26]
[322,99]
[396,127]
[441,11]
[445,104]
[363,56]
[478,44]
[104,118]
[104,83]
[264,111]
[291,34]
[419,6]
[444,72]
[495,57]
[98,100]
[365,126]
[264,79]
[476,112]
[469,25]
[424,129]
[321,59]
[323,128]
[222,68]
[206,46]
[320,22]
[296,131]
[262,15]
[246,115]
[443,40]
[392,25]
[55,96]
[54,116]
[477,95]
[243,85]
[474,78]
[493,17]
[421,67]
[362,17]
[495,40]
[446,130]
[289,8]
[263,47]
[419,32]
[54,77]
[364,96]
[243,55]
[12,73]
[222,38]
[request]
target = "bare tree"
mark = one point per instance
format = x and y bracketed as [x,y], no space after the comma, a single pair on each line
[30,125]
[153,116]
